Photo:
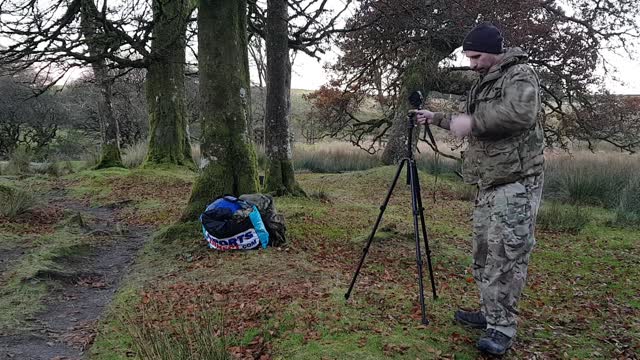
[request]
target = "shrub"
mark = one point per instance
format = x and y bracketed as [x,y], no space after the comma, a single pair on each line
[14,202]
[562,217]
[71,144]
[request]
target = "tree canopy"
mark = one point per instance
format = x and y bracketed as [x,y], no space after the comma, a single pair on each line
[567,43]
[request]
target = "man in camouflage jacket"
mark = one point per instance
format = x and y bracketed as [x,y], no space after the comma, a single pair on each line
[505,160]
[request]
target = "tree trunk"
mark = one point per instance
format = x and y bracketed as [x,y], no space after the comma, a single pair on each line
[280,176]
[396,147]
[419,75]
[168,134]
[228,157]
[414,80]
[110,156]
[422,74]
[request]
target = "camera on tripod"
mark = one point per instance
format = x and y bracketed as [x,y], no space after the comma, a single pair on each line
[415,99]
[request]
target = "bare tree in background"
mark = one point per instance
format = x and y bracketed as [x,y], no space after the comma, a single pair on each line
[97,44]
[27,121]
[128,35]
[168,125]
[279,176]
[404,50]
[308,29]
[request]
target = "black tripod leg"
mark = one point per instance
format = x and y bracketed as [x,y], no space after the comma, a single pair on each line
[375,227]
[424,236]
[416,234]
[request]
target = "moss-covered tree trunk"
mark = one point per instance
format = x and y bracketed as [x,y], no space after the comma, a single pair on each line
[228,157]
[110,156]
[396,147]
[280,176]
[419,75]
[165,89]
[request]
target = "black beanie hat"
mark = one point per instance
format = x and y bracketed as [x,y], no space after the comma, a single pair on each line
[484,38]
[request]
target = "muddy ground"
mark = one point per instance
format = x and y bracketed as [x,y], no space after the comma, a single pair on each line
[79,295]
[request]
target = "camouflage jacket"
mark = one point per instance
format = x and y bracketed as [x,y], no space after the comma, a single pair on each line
[507,139]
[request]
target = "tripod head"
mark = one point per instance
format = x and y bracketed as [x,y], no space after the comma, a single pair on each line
[416,99]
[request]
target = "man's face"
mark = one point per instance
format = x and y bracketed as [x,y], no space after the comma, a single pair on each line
[481,62]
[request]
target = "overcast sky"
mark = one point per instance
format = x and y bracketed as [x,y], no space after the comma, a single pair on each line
[308,73]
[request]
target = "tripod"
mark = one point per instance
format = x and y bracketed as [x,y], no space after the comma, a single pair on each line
[416,207]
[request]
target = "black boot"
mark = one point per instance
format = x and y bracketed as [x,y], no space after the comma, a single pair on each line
[494,342]
[473,319]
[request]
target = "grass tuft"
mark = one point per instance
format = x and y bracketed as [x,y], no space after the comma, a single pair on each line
[133,156]
[14,202]
[628,210]
[19,162]
[565,218]
[589,179]
[201,337]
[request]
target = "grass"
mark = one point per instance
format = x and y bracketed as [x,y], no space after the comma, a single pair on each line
[589,179]
[294,307]
[22,291]
[117,329]
[183,339]
[134,155]
[19,162]
[332,158]
[438,165]
[628,210]
[580,300]
[14,201]
[603,180]
[56,168]
[48,241]
[559,217]
[137,188]
[337,157]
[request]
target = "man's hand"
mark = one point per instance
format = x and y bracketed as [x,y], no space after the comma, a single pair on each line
[422,116]
[461,125]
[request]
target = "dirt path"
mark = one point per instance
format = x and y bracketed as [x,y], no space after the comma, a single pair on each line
[66,328]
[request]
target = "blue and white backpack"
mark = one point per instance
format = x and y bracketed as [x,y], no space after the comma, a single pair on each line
[229,223]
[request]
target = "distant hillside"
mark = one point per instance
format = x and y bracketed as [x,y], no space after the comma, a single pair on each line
[299,110]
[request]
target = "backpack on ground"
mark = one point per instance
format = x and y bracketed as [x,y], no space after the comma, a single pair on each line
[230,223]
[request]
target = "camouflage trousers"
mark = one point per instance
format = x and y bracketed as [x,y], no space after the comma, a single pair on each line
[504,219]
